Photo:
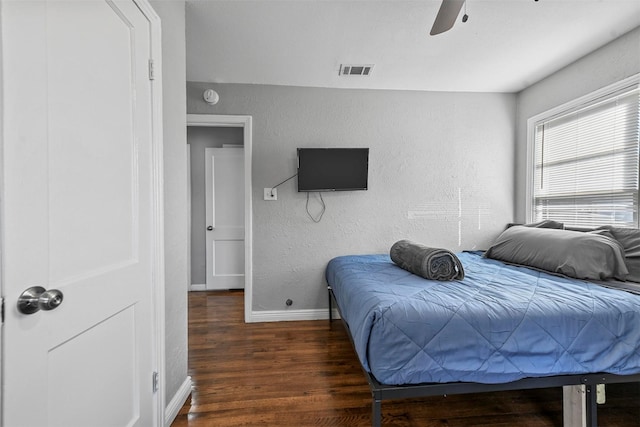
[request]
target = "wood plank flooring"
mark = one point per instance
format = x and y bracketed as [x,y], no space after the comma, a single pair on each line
[306,374]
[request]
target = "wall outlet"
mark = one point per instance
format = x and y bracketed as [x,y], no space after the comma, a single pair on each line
[271,194]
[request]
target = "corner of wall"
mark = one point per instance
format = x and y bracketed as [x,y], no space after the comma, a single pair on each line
[610,63]
[177,401]
[172,16]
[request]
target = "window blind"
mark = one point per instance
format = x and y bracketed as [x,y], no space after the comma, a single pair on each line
[586,163]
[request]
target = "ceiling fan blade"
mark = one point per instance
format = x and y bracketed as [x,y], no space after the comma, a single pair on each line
[447,15]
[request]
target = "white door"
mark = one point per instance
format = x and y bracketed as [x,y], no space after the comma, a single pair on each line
[78,213]
[224,188]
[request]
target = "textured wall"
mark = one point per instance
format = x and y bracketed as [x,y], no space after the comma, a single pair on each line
[440,172]
[175,192]
[609,64]
[200,138]
[2,291]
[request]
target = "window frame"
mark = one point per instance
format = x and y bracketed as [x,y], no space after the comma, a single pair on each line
[600,94]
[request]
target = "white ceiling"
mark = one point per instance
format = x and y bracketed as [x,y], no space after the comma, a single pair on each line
[505,46]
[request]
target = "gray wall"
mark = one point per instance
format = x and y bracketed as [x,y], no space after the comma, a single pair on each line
[200,138]
[2,291]
[175,191]
[609,64]
[441,172]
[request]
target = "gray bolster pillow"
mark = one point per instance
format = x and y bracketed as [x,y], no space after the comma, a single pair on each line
[426,262]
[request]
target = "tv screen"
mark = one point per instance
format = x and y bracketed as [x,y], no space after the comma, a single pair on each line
[333,169]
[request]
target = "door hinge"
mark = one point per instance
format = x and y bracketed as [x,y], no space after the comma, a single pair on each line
[2,309]
[151,70]
[155,381]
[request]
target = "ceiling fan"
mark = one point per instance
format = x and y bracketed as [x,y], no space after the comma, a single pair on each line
[447,15]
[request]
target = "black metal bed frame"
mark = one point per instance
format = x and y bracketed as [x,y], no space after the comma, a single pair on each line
[382,392]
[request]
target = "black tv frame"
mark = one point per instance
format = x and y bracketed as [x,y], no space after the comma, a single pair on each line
[335,150]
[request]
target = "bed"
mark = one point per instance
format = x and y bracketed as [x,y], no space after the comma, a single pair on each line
[502,327]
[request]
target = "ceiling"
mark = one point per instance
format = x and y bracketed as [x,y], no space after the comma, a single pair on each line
[505,46]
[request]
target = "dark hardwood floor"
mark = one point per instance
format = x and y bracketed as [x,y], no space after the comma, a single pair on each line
[306,374]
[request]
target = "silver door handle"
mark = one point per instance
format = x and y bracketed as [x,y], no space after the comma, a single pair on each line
[209,228]
[37,298]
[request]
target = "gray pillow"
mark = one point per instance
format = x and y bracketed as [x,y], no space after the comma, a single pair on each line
[427,262]
[570,253]
[545,223]
[629,238]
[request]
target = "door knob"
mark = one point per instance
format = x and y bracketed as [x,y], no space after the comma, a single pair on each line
[38,298]
[209,228]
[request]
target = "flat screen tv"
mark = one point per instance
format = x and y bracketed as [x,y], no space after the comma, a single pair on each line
[333,169]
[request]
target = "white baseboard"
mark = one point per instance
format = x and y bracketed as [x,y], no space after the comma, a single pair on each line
[292,315]
[173,407]
[203,287]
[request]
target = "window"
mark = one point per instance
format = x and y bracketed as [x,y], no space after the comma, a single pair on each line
[585,160]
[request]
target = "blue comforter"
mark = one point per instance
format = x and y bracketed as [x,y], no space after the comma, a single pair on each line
[500,324]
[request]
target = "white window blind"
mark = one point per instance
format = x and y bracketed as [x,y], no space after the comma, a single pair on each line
[586,163]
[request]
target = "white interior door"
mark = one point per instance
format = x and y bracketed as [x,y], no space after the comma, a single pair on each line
[224,173]
[78,213]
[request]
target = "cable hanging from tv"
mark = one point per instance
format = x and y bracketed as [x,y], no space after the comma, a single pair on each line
[324,207]
[322,210]
[275,186]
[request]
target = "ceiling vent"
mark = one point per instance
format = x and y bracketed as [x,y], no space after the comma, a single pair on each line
[356,70]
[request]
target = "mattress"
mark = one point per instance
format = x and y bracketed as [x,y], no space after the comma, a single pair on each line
[500,324]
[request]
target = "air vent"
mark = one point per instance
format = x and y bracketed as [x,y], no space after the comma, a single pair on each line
[356,70]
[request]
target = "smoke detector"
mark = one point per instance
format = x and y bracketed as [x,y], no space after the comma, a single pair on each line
[355,70]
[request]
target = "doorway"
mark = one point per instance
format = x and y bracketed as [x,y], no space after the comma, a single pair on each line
[240,126]
[224,219]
